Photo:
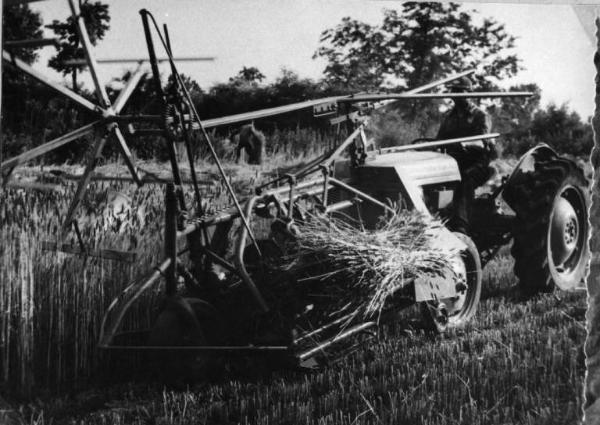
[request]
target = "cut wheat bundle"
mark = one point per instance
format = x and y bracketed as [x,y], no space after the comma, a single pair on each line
[363,268]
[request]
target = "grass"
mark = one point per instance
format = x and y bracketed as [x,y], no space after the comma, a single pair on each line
[515,362]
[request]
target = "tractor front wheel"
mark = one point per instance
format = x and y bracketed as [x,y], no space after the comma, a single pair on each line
[550,245]
[456,311]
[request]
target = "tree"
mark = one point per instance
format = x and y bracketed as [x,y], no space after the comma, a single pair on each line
[422,42]
[96,18]
[554,125]
[250,75]
[513,116]
[563,129]
[21,23]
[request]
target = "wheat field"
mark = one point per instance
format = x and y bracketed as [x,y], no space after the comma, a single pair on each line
[515,362]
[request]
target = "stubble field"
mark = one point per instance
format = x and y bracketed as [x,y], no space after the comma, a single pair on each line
[515,362]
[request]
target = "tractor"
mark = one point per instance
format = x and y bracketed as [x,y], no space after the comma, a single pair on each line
[222,293]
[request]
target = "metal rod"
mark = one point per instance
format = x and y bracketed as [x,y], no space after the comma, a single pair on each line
[158,85]
[152,54]
[109,61]
[321,347]
[417,96]
[338,151]
[360,194]
[268,112]
[186,135]
[217,259]
[300,186]
[171,238]
[437,143]
[440,82]
[176,59]
[239,257]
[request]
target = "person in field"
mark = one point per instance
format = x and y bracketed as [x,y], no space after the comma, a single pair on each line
[466,119]
[253,142]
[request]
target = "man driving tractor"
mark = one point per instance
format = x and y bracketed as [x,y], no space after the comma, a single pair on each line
[466,119]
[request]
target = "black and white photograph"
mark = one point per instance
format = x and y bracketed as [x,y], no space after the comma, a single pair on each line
[313,212]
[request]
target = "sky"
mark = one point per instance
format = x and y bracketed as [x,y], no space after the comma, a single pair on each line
[274,34]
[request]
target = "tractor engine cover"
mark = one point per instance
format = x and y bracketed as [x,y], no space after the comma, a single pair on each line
[400,177]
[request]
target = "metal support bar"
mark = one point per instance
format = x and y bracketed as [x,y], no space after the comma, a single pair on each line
[438,143]
[152,54]
[239,257]
[440,82]
[176,59]
[360,194]
[416,96]
[345,144]
[79,62]
[171,238]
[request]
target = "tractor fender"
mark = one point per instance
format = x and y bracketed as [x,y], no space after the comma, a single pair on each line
[527,164]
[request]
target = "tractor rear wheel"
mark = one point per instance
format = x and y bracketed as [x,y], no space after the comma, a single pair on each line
[550,245]
[456,311]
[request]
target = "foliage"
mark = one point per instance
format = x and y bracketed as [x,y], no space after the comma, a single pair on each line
[422,42]
[556,126]
[514,115]
[251,74]
[96,18]
[19,22]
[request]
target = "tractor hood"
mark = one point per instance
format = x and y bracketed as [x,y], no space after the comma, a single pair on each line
[400,176]
[422,168]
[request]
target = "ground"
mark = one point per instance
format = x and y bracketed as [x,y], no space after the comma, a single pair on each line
[517,361]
